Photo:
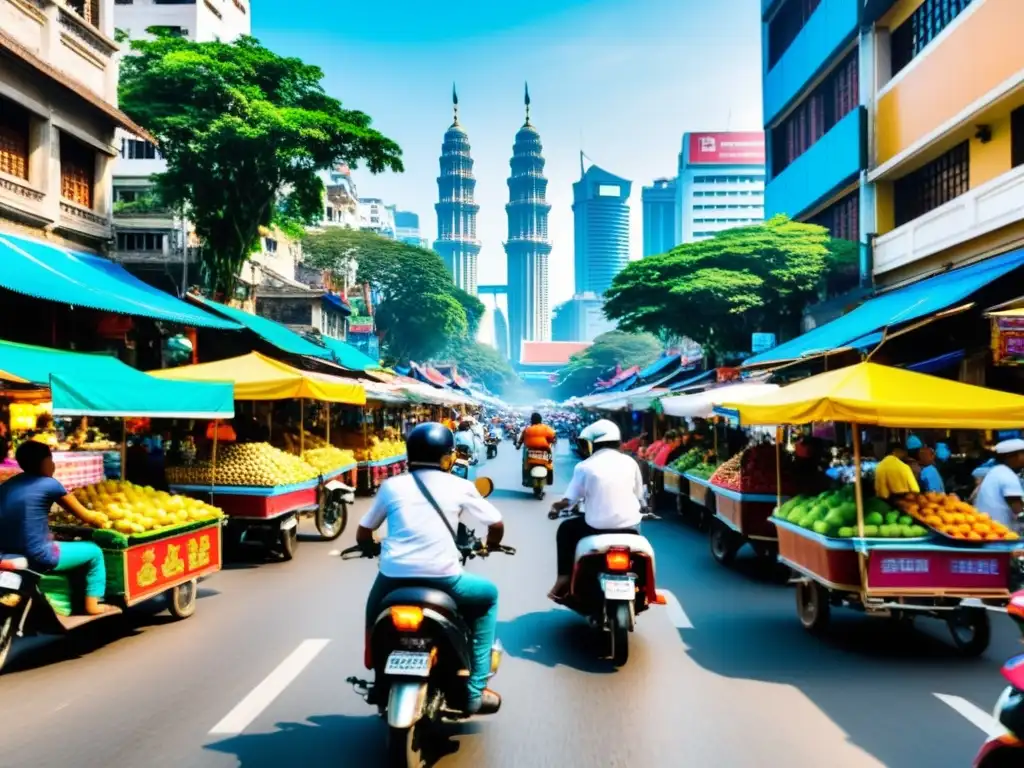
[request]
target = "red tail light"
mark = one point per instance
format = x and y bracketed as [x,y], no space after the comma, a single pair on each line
[407,618]
[617,559]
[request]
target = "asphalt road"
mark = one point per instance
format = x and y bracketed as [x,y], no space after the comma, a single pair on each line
[724,676]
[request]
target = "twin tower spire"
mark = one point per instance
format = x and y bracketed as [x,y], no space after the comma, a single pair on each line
[527,247]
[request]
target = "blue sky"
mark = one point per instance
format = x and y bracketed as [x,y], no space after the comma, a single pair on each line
[621,79]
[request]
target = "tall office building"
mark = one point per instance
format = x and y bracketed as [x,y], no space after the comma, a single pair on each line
[527,248]
[659,209]
[601,216]
[456,212]
[407,227]
[720,184]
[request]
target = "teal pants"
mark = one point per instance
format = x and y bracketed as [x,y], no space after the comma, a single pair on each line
[477,599]
[85,555]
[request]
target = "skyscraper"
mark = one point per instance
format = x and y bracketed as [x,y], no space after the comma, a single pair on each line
[456,212]
[601,215]
[659,202]
[527,248]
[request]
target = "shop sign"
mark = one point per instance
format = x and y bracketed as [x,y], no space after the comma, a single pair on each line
[725,375]
[1008,340]
[360,324]
[938,570]
[156,566]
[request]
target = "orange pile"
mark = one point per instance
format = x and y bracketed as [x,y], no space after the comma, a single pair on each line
[947,514]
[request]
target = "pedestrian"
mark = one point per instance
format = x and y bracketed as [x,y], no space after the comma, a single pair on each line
[1000,494]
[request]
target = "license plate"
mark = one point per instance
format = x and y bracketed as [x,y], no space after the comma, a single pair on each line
[408,664]
[538,455]
[10,580]
[621,588]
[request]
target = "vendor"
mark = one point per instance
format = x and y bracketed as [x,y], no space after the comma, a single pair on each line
[929,477]
[1000,494]
[25,502]
[893,476]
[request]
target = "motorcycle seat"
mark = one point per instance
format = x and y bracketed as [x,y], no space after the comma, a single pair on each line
[13,563]
[426,597]
[602,542]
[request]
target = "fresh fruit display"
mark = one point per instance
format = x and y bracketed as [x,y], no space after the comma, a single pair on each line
[250,464]
[385,444]
[753,470]
[689,460]
[134,509]
[834,514]
[703,471]
[329,458]
[947,514]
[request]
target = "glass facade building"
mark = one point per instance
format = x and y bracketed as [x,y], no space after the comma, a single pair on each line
[601,217]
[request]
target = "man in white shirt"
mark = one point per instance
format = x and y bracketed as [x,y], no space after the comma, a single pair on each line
[420,550]
[1000,494]
[612,489]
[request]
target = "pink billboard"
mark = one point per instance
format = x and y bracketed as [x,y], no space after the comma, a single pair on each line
[727,148]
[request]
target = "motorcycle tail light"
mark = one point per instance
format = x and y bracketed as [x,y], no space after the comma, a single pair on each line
[617,559]
[407,618]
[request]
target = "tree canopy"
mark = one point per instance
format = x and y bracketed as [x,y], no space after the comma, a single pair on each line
[483,364]
[608,350]
[420,313]
[244,132]
[720,291]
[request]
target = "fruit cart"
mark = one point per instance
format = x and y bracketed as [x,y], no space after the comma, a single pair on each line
[373,473]
[742,518]
[263,490]
[701,497]
[891,570]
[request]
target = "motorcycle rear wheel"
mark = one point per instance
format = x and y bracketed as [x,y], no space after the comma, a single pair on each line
[405,747]
[620,634]
[6,638]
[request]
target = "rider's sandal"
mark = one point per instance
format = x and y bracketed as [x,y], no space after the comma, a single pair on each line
[488,703]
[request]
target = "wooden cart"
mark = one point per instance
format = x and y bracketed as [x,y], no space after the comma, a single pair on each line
[743,518]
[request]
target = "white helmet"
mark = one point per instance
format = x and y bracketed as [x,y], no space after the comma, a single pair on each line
[602,431]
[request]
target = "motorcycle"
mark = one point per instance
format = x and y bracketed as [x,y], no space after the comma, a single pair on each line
[612,582]
[538,471]
[464,463]
[420,651]
[492,443]
[1006,750]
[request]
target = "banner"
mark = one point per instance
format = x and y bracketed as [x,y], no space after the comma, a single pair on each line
[1008,341]
[727,148]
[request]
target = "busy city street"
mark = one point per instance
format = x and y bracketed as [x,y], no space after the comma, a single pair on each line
[723,675]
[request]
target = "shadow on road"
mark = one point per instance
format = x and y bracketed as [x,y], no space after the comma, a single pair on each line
[330,740]
[555,638]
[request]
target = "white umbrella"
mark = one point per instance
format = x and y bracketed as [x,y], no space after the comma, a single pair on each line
[701,405]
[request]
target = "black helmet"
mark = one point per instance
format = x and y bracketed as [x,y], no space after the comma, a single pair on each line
[427,444]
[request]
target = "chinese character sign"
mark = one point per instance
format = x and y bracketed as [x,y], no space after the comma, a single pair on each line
[156,566]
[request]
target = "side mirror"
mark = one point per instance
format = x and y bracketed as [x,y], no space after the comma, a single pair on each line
[484,485]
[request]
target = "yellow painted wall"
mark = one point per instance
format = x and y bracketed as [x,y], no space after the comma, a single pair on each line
[991,159]
[899,13]
[885,210]
[982,53]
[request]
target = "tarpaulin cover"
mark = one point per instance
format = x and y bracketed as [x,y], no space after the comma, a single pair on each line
[868,393]
[101,385]
[257,377]
[350,357]
[701,405]
[48,271]
[270,331]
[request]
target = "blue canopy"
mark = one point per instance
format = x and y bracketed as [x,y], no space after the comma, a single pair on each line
[350,357]
[896,307]
[270,331]
[48,271]
[658,366]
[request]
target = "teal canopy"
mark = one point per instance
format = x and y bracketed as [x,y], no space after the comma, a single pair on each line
[101,385]
[270,331]
[350,357]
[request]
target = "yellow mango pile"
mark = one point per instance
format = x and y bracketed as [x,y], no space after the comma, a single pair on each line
[947,514]
[129,508]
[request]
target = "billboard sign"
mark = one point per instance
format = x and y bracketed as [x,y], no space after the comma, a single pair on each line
[727,148]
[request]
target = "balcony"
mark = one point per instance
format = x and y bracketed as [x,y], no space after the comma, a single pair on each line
[78,218]
[975,62]
[835,159]
[65,41]
[985,209]
[830,28]
[22,198]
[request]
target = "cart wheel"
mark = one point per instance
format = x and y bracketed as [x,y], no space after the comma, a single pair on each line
[6,638]
[812,605]
[181,600]
[289,541]
[970,630]
[725,543]
[331,519]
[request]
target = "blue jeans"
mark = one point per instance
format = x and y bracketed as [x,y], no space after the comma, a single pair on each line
[477,599]
[84,554]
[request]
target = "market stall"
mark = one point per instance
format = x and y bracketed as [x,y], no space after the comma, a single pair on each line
[264,489]
[154,543]
[918,554]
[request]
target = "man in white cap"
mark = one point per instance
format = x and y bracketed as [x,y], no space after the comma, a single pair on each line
[1001,495]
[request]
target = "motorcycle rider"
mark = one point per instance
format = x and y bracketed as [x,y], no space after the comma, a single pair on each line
[419,549]
[610,484]
[537,436]
[466,439]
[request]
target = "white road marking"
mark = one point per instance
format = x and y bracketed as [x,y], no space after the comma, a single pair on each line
[974,715]
[675,611]
[249,708]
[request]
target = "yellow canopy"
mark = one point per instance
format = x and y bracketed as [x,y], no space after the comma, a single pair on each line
[257,377]
[868,393]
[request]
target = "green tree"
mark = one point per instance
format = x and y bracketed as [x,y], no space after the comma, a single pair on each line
[608,350]
[420,313]
[720,291]
[473,307]
[244,132]
[482,363]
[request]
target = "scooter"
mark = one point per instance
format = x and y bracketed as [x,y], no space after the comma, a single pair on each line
[420,651]
[464,463]
[1006,750]
[538,471]
[612,582]
[492,443]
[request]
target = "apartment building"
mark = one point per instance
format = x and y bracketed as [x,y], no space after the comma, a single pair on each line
[58,116]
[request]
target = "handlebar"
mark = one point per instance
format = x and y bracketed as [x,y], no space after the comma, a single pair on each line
[472,549]
[575,512]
